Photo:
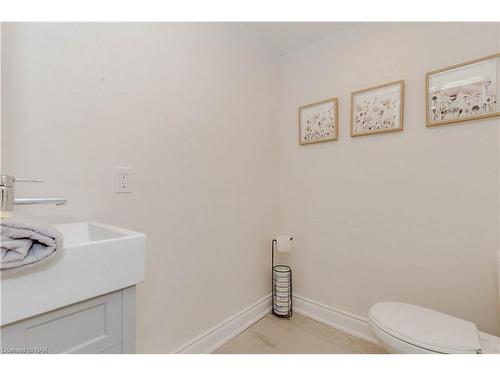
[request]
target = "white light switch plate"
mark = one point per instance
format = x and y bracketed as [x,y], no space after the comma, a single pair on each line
[123,179]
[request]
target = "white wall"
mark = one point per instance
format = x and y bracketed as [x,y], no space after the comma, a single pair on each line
[0,100]
[409,216]
[192,109]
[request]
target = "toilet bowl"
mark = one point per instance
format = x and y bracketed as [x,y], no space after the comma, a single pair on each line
[404,328]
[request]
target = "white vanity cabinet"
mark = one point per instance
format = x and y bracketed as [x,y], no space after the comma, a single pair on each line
[83,301]
[103,324]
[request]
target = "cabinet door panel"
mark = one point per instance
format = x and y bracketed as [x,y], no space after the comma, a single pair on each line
[91,326]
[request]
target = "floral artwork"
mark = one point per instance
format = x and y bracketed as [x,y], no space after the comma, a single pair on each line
[377,110]
[318,122]
[463,93]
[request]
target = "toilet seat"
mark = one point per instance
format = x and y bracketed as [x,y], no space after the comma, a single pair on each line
[426,328]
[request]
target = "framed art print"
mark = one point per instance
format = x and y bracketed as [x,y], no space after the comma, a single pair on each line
[463,92]
[377,109]
[318,122]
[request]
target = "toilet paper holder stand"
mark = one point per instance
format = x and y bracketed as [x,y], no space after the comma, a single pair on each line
[274,293]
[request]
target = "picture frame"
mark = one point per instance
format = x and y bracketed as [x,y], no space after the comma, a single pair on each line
[377,109]
[463,92]
[319,122]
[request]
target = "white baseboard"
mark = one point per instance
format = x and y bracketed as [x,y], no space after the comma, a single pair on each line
[214,338]
[342,320]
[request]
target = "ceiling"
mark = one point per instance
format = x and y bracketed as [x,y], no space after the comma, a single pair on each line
[286,37]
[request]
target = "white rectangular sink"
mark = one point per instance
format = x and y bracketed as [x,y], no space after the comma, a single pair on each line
[96,259]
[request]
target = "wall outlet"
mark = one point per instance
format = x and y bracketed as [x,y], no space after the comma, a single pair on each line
[123,180]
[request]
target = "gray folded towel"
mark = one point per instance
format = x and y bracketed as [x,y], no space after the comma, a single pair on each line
[26,245]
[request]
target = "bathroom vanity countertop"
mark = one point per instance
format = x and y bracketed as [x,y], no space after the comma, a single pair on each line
[96,259]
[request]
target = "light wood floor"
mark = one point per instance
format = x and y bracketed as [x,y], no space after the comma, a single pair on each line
[299,335]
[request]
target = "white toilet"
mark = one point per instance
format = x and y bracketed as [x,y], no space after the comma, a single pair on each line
[404,328]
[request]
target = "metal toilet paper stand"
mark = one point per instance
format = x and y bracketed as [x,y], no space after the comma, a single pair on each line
[281,287]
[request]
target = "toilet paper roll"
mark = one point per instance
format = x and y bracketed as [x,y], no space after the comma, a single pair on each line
[283,243]
[282,312]
[282,290]
[282,299]
[281,279]
[281,305]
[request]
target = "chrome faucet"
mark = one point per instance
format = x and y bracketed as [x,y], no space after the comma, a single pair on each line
[7,199]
